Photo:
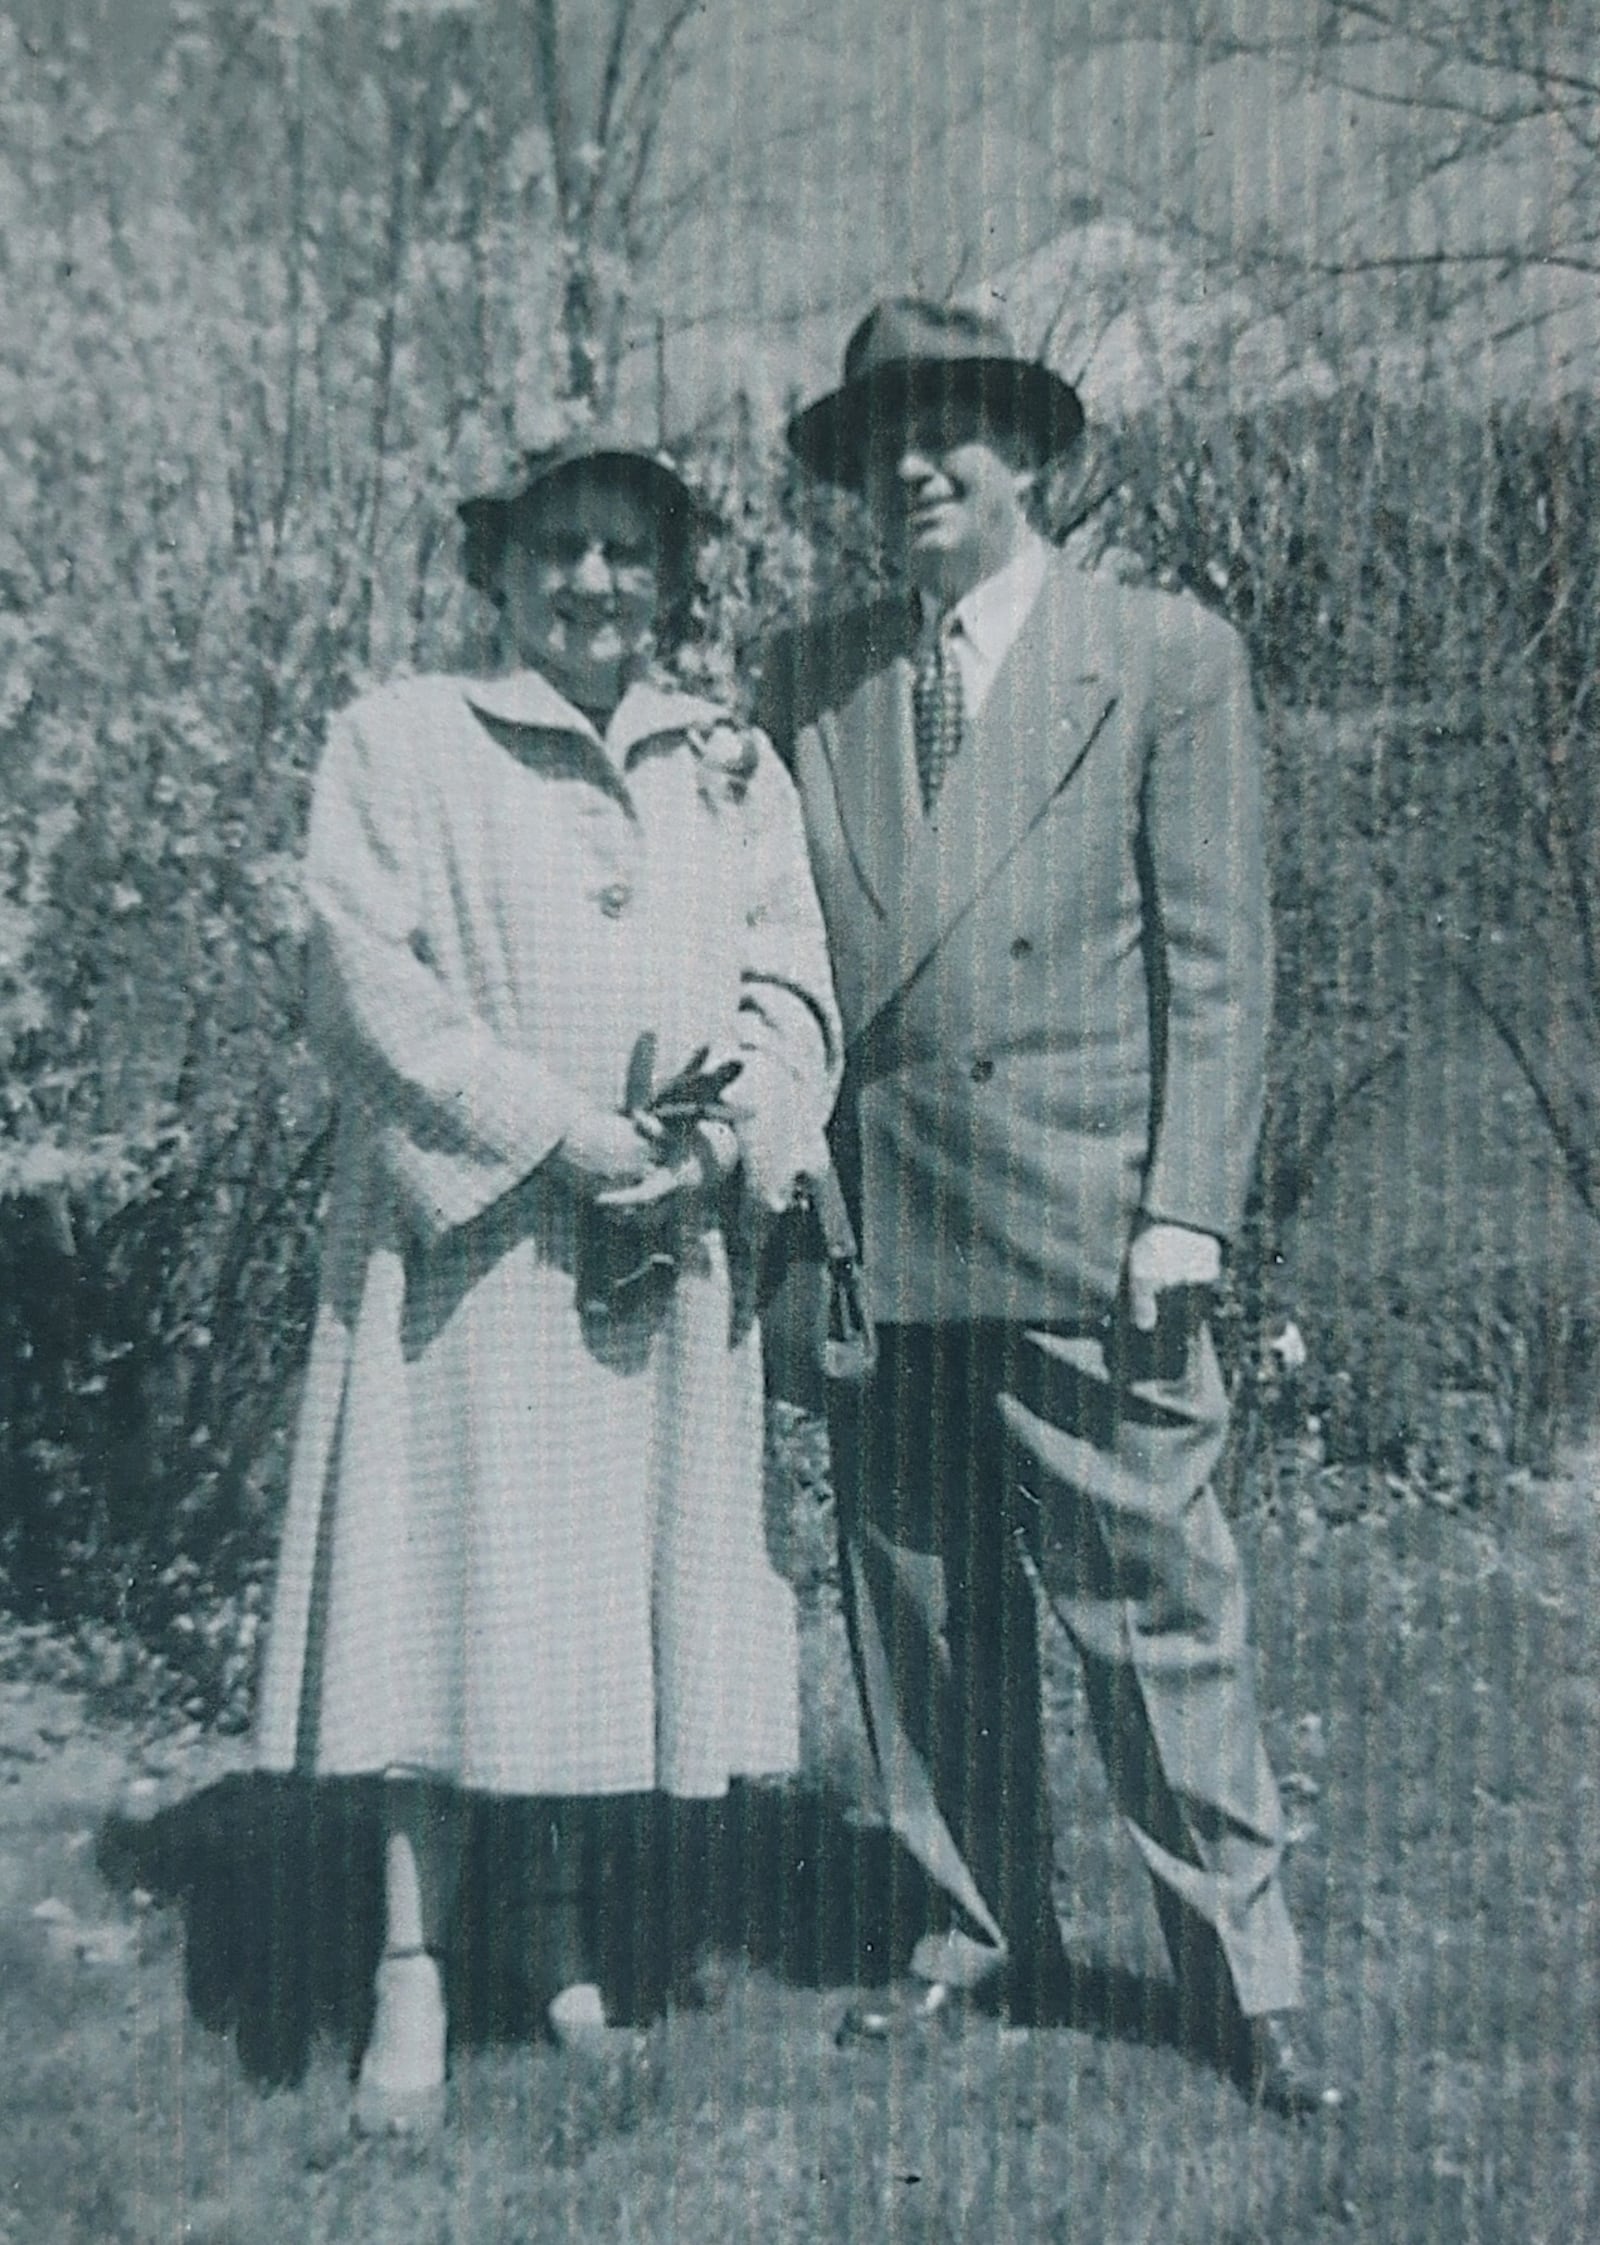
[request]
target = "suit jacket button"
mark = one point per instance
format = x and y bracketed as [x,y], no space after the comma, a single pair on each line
[1021,948]
[614,899]
[982,1069]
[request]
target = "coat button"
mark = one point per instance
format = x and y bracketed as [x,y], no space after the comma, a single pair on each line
[1021,948]
[982,1069]
[614,899]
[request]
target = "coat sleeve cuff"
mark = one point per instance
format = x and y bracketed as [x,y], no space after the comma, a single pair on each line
[442,1185]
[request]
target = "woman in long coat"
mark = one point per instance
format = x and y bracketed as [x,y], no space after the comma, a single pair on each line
[523,1551]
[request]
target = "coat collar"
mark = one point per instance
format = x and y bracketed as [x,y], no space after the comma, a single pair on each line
[1043,715]
[527,700]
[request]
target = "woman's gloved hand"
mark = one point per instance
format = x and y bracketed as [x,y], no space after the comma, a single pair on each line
[684,1123]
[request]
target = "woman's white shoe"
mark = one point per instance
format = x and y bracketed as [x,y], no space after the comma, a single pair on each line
[400,2088]
[577,2020]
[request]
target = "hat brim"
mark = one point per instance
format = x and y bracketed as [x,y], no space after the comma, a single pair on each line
[491,518]
[830,437]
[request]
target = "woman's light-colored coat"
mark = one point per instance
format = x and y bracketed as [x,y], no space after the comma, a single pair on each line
[523,1549]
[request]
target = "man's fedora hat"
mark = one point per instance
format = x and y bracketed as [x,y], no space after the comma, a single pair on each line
[908,353]
[491,518]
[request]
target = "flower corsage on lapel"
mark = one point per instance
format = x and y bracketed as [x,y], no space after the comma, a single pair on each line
[725,757]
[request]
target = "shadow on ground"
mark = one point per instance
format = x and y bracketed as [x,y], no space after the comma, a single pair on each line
[278,1883]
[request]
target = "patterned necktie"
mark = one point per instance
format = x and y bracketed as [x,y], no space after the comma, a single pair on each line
[936,711]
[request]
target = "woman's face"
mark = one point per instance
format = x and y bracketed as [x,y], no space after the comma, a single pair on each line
[581,589]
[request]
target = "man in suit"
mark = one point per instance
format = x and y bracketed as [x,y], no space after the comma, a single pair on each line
[1033,800]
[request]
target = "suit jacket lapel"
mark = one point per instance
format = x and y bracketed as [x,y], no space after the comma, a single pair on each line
[872,761]
[870,749]
[1040,720]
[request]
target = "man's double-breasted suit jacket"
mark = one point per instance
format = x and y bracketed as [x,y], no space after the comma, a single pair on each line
[1056,986]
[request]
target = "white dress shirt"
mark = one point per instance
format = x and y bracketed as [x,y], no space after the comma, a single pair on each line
[982,627]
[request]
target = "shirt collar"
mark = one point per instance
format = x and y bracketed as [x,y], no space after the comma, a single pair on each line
[526,697]
[993,612]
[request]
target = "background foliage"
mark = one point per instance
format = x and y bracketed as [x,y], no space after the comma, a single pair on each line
[349,261]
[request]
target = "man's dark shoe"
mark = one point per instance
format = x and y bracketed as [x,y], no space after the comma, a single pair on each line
[1037,1995]
[1271,2060]
[913,2007]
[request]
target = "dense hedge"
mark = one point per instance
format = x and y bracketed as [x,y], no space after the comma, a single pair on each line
[1420,591]
[157,1268]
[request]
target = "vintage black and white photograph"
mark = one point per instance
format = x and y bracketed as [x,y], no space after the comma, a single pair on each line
[800,1122]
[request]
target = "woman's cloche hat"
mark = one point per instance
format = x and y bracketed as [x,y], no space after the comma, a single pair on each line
[490,519]
[908,352]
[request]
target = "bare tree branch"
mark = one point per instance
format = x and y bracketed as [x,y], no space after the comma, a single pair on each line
[557,109]
[1564,1109]
[646,108]
[1505,257]
[1445,34]
[652,79]
[611,77]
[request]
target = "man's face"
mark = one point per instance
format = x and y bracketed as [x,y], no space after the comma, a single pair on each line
[581,588]
[949,493]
